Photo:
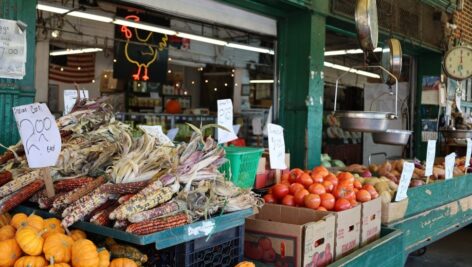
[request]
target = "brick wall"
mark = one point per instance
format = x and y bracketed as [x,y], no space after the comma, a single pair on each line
[463,19]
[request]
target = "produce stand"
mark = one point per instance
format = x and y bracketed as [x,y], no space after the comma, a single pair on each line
[386,251]
[163,239]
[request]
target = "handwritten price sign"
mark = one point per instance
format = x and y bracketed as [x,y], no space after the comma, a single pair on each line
[405,179]
[39,134]
[276,146]
[225,119]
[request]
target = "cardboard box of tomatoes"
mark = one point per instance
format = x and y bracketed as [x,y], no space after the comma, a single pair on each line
[371,215]
[289,237]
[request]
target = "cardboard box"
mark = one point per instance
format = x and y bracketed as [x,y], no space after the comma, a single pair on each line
[370,221]
[289,236]
[394,211]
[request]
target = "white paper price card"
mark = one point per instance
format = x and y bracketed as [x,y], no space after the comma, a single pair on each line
[469,150]
[450,161]
[276,146]
[39,134]
[430,156]
[12,49]
[405,179]
[225,119]
[156,131]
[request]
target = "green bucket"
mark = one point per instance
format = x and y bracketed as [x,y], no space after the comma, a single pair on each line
[242,165]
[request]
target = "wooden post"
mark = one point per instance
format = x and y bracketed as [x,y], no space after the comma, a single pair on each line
[46,174]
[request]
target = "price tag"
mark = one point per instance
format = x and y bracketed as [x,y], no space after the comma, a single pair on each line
[70,97]
[12,49]
[405,179]
[467,155]
[172,133]
[276,146]
[450,161]
[430,156]
[225,119]
[156,131]
[236,128]
[39,134]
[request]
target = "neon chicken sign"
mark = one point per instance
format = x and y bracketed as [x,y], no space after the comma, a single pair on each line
[150,55]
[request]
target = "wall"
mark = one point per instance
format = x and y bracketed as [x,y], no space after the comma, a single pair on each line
[464,21]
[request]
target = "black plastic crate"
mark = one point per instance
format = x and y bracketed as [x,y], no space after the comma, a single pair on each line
[221,249]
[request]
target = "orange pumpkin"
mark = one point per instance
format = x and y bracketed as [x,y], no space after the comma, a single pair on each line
[31,261]
[5,219]
[10,252]
[35,221]
[245,264]
[30,240]
[173,106]
[18,220]
[52,225]
[123,262]
[84,254]
[58,246]
[7,232]
[77,235]
[104,257]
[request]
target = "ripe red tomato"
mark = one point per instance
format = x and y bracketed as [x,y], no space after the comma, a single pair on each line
[332,178]
[353,203]
[346,176]
[299,197]
[269,198]
[373,193]
[317,178]
[317,189]
[342,191]
[357,184]
[321,208]
[295,187]
[327,201]
[294,174]
[285,176]
[288,200]
[363,195]
[280,191]
[342,204]
[305,180]
[328,186]
[312,201]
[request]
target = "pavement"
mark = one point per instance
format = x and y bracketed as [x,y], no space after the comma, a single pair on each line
[451,251]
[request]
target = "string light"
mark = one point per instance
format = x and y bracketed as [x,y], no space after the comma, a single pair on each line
[226,84]
[62,69]
[170,59]
[105,76]
[177,85]
[185,92]
[79,68]
[216,89]
[169,71]
[206,81]
[93,81]
[193,82]
[235,84]
[232,75]
[232,70]
[114,60]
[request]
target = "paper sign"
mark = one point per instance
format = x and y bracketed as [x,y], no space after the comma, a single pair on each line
[205,228]
[225,119]
[405,179]
[12,49]
[269,120]
[257,126]
[450,161]
[430,156]
[458,103]
[39,134]
[156,131]
[172,133]
[276,146]
[70,96]
[236,128]
[469,150]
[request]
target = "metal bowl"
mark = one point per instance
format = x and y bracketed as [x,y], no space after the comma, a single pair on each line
[363,121]
[457,134]
[392,137]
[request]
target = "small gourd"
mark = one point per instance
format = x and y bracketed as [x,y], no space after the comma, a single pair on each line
[245,264]
[10,252]
[30,240]
[18,220]
[123,262]
[35,221]
[59,247]
[31,261]
[84,254]
[52,225]
[77,235]
[5,219]
[7,232]
[103,257]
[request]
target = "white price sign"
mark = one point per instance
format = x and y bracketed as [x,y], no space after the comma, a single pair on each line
[276,146]
[39,134]
[467,155]
[430,156]
[225,119]
[405,179]
[450,162]
[12,49]
[156,131]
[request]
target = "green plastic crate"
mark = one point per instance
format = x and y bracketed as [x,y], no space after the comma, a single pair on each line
[242,165]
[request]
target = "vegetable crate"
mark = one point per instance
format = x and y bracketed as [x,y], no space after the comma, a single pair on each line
[220,249]
[242,165]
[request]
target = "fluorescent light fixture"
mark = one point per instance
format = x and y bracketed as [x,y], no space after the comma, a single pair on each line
[90,16]
[201,38]
[350,52]
[251,48]
[52,9]
[344,68]
[143,26]
[261,81]
[186,63]
[74,51]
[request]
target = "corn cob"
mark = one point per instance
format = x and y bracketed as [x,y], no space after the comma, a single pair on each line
[101,208]
[45,202]
[165,209]
[142,203]
[8,155]
[101,218]
[77,193]
[22,195]
[5,177]
[125,198]
[124,189]
[81,208]
[121,224]
[71,184]
[152,226]
[18,183]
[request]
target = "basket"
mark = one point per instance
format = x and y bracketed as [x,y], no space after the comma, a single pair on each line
[242,165]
